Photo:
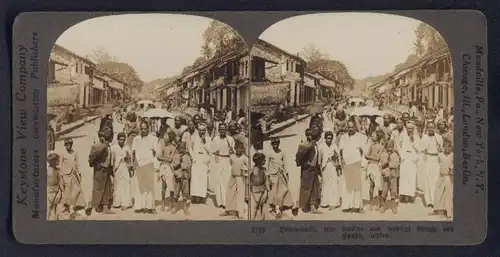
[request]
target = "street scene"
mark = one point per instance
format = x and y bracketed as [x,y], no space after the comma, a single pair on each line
[148,130]
[357,126]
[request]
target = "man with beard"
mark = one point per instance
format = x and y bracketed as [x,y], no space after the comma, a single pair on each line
[409,157]
[144,151]
[100,159]
[431,146]
[222,147]
[200,147]
[351,147]
[309,159]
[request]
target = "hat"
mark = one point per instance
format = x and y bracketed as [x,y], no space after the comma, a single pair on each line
[410,124]
[68,141]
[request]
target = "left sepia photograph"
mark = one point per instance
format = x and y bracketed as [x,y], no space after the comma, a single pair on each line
[147,120]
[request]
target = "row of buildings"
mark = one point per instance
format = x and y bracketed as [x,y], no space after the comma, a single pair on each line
[266,76]
[75,80]
[429,81]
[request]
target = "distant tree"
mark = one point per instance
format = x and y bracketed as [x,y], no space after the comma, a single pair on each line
[110,64]
[124,72]
[186,69]
[206,50]
[410,60]
[428,40]
[100,55]
[333,69]
[311,53]
[220,39]
[199,61]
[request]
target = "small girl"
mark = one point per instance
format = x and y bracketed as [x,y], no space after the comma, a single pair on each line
[259,187]
[279,196]
[444,186]
[389,163]
[181,164]
[373,168]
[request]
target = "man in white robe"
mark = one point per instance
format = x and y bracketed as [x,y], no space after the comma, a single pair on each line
[408,151]
[431,146]
[200,152]
[222,147]
[330,192]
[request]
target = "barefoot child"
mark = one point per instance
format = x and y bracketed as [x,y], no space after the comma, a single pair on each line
[71,180]
[279,196]
[259,187]
[373,167]
[235,199]
[54,192]
[181,165]
[444,188]
[165,155]
[389,163]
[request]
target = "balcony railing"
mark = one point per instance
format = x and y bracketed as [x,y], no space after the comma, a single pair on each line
[446,77]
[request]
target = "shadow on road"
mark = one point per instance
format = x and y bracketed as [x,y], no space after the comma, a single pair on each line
[279,137]
[62,138]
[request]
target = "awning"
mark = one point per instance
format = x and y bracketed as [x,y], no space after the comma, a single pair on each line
[427,84]
[257,52]
[309,85]
[62,94]
[116,85]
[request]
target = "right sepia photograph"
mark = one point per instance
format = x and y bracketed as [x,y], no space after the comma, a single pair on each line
[351,118]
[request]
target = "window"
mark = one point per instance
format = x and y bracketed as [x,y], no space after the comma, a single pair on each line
[287,65]
[52,71]
[77,66]
[88,70]
[440,95]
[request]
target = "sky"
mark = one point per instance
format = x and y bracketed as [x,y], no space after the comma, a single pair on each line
[368,44]
[156,45]
[161,45]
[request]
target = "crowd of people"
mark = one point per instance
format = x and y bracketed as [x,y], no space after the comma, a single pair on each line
[148,165]
[397,155]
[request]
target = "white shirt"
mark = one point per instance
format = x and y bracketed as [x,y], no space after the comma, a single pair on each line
[144,147]
[120,153]
[223,144]
[350,145]
[327,153]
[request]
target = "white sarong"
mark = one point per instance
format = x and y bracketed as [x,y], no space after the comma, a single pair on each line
[431,178]
[222,176]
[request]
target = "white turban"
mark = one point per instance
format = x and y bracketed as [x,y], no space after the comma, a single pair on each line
[202,125]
